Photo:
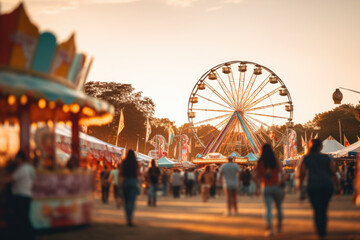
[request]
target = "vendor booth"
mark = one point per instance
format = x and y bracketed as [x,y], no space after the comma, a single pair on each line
[331,145]
[41,83]
[164,162]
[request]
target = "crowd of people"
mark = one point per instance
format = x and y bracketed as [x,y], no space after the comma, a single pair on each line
[316,177]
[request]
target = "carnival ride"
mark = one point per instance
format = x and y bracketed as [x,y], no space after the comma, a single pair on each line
[40,86]
[243,101]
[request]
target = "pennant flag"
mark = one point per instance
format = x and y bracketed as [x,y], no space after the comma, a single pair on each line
[303,144]
[190,146]
[121,122]
[121,126]
[148,130]
[171,135]
[346,142]
[316,136]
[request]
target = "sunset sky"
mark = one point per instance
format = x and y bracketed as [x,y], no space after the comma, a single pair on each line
[162,47]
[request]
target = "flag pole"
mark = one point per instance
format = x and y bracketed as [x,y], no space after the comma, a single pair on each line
[340,130]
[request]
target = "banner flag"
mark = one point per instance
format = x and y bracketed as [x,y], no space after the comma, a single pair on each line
[121,123]
[346,142]
[121,126]
[148,130]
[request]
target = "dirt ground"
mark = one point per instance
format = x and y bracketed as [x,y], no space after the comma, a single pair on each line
[190,218]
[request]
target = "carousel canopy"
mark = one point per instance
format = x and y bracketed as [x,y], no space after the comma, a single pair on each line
[41,75]
[348,151]
[331,145]
[165,162]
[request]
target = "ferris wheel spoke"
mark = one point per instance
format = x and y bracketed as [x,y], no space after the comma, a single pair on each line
[266,115]
[249,135]
[214,101]
[211,110]
[252,126]
[241,87]
[261,122]
[248,89]
[211,119]
[222,123]
[259,100]
[256,129]
[233,87]
[218,94]
[257,91]
[225,89]
[267,106]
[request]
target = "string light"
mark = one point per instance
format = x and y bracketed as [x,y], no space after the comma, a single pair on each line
[75,108]
[23,99]
[42,103]
[65,108]
[52,105]
[11,100]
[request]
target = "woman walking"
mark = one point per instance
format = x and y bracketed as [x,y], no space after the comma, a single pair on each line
[206,179]
[320,187]
[153,177]
[129,172]
[268,172]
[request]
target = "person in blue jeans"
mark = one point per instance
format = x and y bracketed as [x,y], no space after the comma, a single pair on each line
[130,171]
[153,177]
[268,174]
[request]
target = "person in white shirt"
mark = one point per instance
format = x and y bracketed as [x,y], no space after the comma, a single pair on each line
[22,182]
[229,175]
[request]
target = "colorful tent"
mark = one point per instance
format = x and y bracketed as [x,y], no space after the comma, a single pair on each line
[92,145]
[165,162]
[331,145]
[252,157]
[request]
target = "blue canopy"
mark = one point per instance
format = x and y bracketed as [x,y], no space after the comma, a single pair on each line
[165,162]
[235,154]
[252,157]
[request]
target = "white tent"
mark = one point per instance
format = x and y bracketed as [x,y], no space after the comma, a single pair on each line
[331,145]
[90,143]
[351,150]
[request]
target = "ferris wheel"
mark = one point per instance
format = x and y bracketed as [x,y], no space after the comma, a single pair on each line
[242,101]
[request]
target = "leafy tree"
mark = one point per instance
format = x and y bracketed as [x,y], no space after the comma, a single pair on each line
[328,122]
[136,110]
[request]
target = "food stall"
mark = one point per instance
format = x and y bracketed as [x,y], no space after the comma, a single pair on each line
[41,82]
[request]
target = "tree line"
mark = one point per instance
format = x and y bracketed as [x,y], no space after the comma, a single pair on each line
[137,108]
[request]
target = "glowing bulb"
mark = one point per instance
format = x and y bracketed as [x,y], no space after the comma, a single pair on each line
[42,103]
[23,99]
[11,100]
[75,108]
[50,124]
[65,108]
[52,105]
[69,124]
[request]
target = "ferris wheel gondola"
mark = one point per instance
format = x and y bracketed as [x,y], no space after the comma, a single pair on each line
[243,100]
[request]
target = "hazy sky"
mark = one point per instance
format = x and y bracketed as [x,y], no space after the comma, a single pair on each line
[162,47]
